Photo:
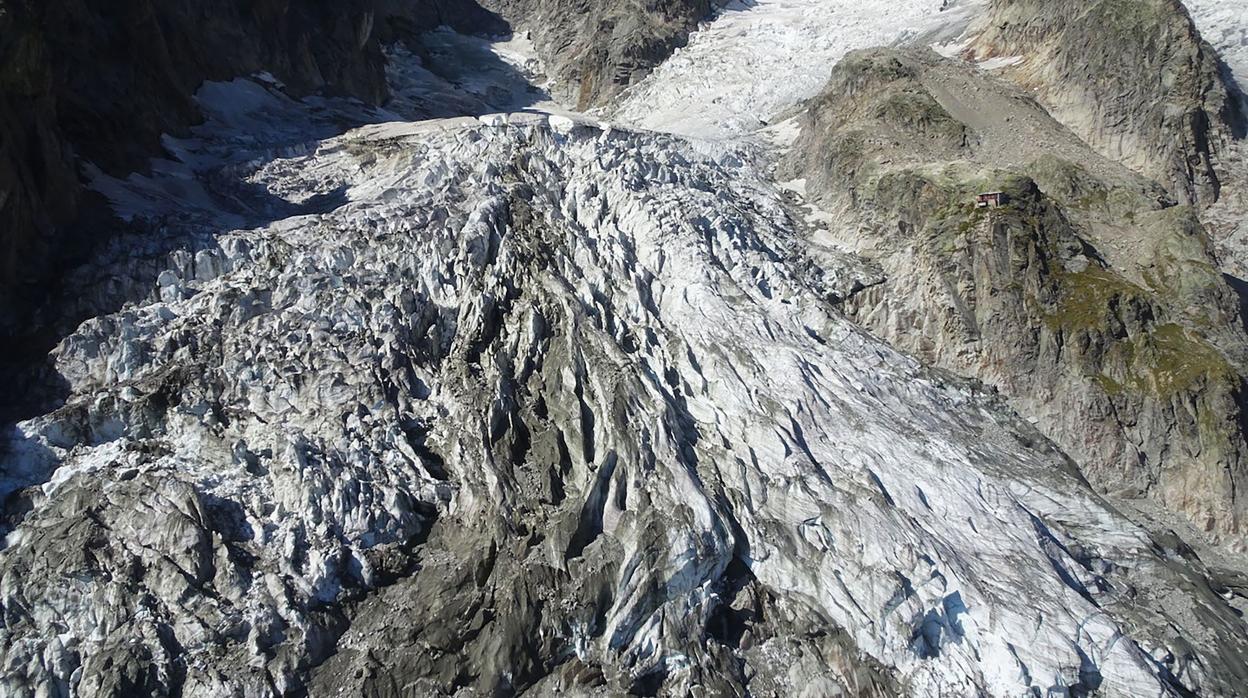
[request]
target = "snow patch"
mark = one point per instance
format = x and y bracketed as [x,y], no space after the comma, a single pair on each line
[999,62]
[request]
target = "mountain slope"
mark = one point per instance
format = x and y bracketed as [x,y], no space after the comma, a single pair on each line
[758,59]
[596,48]
[532,403]
[66,63]
[1226,28]
[1086,298]
[1133,78]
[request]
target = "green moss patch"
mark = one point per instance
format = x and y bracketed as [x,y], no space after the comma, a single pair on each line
[1169,360]
[1087,299]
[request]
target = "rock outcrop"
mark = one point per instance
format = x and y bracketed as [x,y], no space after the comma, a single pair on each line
[1133,78]
[595,48]
[1088,299]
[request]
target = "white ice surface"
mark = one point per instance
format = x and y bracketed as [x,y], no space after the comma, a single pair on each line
[906,507]
[752,61]
[458,70]
[1000,62]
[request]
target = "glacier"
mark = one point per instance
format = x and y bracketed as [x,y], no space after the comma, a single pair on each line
[583,369]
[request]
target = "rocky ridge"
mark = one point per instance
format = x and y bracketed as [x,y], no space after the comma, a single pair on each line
[1087,298]
[1133,78]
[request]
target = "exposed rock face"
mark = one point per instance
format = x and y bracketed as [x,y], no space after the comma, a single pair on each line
[1131,77]
[596,48]
[1096,308]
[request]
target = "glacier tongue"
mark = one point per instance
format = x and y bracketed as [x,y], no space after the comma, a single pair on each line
[556,388]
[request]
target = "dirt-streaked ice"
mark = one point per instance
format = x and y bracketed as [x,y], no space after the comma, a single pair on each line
[589,367]
[654,295]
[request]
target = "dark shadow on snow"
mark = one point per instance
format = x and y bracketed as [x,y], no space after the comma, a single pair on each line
[99,242]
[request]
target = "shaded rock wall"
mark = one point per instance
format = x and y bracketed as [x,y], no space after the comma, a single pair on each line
[38,185]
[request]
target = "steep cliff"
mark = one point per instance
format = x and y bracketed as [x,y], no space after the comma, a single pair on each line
[1133,78]
[596,48]
[1086,298]
[38,181]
